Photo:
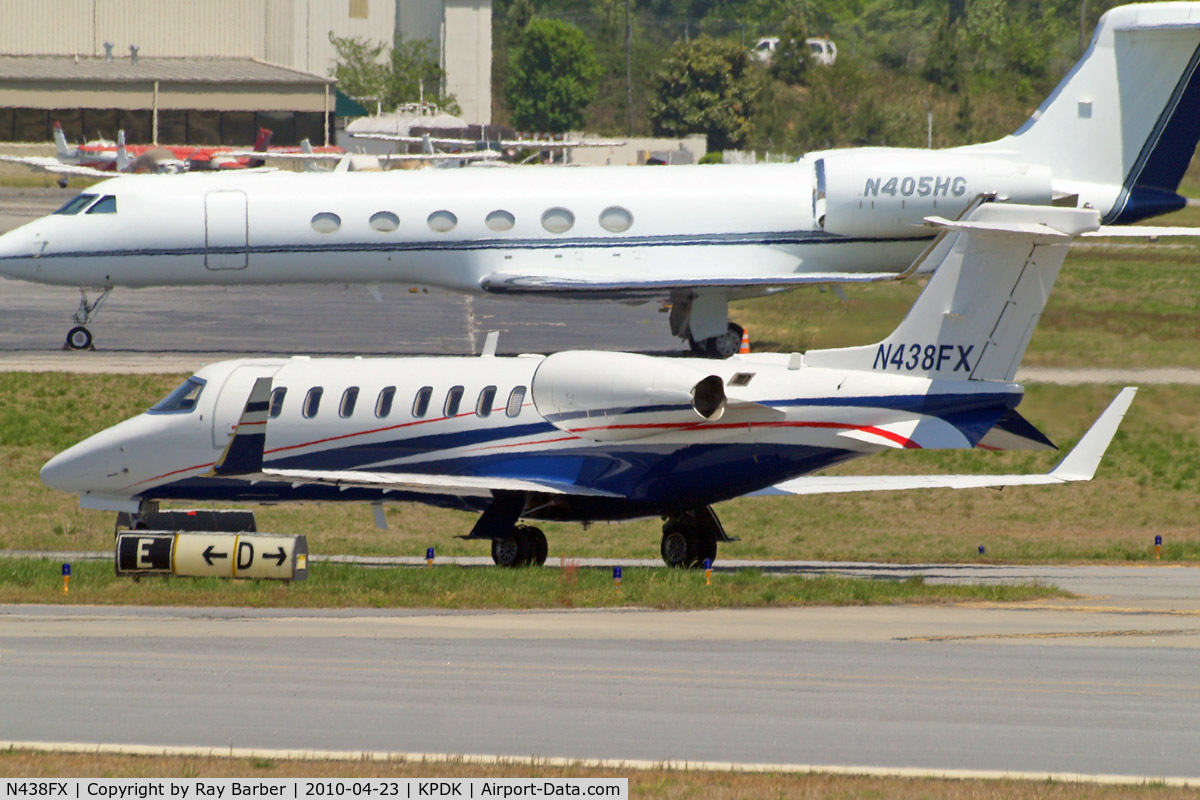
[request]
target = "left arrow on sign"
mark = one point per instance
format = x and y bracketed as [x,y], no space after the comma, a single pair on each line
[209,555]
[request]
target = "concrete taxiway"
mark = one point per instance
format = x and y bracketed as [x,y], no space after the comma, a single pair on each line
[1101,684]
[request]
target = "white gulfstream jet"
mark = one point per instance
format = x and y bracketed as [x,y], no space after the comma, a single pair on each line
[590,436]
[1115,136]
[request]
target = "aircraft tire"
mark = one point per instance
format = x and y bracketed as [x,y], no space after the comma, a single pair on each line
[515,550]
[723,346]
[78,338]
[680,546]
[541,548]
[707,547]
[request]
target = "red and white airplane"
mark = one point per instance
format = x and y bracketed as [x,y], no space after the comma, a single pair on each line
[101,158]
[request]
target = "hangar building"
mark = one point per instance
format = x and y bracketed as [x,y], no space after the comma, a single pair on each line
[213,71]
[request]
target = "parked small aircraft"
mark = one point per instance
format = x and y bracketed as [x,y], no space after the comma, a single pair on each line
[100,159]
[1116,136]
[588,436]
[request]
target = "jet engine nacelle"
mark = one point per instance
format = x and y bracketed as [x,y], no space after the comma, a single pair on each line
[614,396]
[889,191]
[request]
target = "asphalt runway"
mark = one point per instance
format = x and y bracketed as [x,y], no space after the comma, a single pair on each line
[1101,685]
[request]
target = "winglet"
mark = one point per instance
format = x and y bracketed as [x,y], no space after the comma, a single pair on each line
[1080,464]
[244,453]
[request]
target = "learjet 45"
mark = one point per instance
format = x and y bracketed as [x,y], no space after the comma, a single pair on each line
[590,436]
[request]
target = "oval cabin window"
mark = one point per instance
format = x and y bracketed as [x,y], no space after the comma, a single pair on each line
[500,220]
[326,222]
[558,220]
[616,219]
[442,221]
[384,221]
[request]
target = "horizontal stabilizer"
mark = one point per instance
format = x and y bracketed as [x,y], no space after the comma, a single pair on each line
[1078,465]
[458,485]
[640,286]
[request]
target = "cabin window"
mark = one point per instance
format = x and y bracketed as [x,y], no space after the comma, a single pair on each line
[182,400]
[105,205]
[500,220]
[277,395]
[312,402]
[383,405]
[741,379]
[384,221]
[76,204]
[349,399]
[442,221]
[515,398]
[453,399]
[421,401]
[483,406]
[558,220]
[326,222]
[615,219]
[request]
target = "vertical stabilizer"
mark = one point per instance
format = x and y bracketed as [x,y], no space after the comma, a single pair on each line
[1122,125]
[975,317]
[66,153]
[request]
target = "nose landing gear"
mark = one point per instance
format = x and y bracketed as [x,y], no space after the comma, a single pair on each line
[79,337]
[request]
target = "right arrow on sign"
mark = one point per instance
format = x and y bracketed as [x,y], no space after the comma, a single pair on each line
[280,555]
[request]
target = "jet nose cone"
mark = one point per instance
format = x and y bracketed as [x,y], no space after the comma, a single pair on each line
[79,469]
[17,253]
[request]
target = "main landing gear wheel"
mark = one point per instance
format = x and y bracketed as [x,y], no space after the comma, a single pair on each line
[78,338]
[527,545]
[722,346]
[689,538]
[686,547]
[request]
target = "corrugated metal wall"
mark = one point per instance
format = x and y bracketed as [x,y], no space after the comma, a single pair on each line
[249,28]
[294,33]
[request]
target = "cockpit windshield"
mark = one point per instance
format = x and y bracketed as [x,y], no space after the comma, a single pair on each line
[181,401]
[77,204]
[105,205]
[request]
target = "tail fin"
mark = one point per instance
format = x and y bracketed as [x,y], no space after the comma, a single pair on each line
[1124,122]
[65,151]
[123,161]
[975,317]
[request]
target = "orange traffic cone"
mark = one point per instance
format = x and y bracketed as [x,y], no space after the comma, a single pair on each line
[745,348]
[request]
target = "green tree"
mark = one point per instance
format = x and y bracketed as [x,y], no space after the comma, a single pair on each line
[408,71]
[707,86]
[791,59]
[552,77]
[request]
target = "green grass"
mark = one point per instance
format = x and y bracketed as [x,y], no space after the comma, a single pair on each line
[659,783]
[1149,484]
[351,586]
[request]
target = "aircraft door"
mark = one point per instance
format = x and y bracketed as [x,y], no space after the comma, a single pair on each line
[226,230]
[232,399]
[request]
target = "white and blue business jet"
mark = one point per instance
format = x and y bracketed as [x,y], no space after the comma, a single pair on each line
[590,436]
[1115,136]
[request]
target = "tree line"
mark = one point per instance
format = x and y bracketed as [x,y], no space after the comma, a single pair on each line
[976,68]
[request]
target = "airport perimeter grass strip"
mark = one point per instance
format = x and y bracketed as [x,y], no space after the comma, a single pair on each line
[263,762]
[452,587]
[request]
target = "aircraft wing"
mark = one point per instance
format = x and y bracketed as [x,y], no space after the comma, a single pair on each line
[269,155]
[641,286]
[53,165]
[460,485]
[1078,465]
[1139,231]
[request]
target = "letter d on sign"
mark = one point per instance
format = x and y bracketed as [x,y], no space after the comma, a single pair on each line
[245,555]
